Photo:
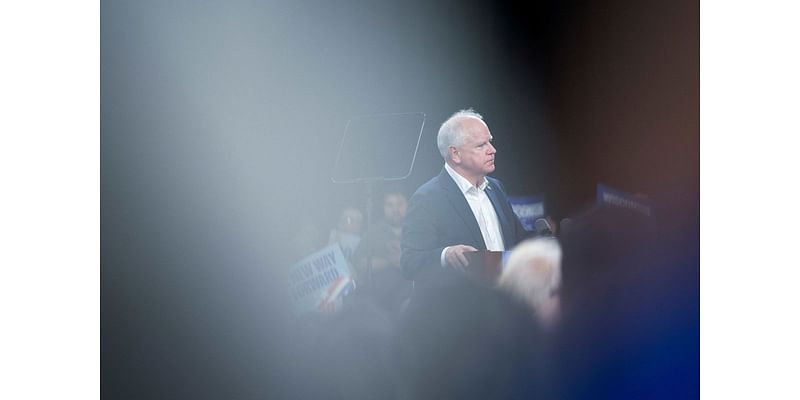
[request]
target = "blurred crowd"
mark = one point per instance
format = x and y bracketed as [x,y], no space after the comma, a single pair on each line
[581,315]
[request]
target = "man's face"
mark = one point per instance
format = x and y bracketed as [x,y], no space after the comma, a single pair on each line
[475,158]
[394,208]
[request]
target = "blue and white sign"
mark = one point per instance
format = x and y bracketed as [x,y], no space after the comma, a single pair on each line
[609,196]
[320,281]
[528,209]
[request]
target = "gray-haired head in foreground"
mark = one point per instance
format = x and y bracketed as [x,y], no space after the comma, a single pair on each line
[532,274]
[451,132]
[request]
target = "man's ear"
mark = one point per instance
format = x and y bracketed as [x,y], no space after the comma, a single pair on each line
[454,155]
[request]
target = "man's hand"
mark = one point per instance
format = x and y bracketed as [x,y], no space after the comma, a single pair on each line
[455,256]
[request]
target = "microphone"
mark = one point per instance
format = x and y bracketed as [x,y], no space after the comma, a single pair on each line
[543,227]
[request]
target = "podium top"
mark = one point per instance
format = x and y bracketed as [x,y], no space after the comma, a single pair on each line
[485,266]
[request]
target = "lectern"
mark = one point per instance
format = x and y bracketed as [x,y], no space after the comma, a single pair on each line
[485,266]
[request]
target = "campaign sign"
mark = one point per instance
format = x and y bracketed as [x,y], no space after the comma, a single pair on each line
[528,209]
[609,196]
[320,281]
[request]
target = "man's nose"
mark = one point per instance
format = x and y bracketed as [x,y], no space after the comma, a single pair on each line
[492,150]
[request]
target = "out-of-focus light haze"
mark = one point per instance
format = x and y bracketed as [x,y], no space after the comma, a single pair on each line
[220,122]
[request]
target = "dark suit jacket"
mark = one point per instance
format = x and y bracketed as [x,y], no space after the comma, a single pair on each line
[439,216]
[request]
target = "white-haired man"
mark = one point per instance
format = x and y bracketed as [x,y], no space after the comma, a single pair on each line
[461,209]
[532,274]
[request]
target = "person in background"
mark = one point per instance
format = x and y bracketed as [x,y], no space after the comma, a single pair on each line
[348,231]
[383,236]
[381,245]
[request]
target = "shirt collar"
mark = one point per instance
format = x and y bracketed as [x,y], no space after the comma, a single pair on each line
[463,184]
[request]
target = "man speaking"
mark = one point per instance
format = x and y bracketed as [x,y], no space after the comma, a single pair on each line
[461,209]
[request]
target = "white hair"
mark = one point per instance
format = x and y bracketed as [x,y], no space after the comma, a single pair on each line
[532,273]
[451,133]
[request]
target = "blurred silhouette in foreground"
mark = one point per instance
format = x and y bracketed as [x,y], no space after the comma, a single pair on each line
[630,324]
[532,275]
[468,341]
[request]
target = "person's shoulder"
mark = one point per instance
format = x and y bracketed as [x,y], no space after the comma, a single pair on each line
[433,185]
